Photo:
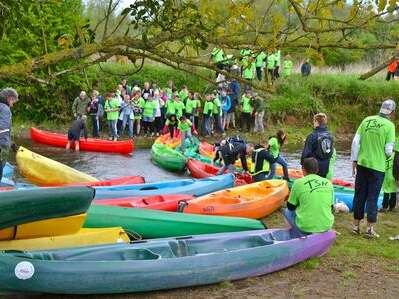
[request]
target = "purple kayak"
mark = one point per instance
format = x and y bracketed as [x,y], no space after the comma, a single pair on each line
[158,264]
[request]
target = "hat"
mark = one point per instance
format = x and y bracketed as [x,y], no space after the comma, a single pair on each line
[387,107]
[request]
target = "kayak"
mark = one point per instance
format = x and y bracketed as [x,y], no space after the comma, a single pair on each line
[170,142]
[159,224]
[206,149]
[347,199]
[92,145]
[40,170]
[167,158]
[255,200]
[157,202]
[187,186]
[25,206]
[125,180]
[201,170]
[84,237]
[158,264]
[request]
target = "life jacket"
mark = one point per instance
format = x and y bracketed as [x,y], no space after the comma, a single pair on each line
[265,166]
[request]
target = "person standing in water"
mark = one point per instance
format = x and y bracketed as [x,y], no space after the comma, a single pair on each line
[8,97]
[75,131]
[371,146]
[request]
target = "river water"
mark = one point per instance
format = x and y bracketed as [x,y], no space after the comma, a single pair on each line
[107,166]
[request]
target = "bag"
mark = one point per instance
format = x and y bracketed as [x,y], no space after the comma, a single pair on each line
[325,148]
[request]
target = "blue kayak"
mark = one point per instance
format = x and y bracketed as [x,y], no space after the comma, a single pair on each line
[347,198]
[188,186]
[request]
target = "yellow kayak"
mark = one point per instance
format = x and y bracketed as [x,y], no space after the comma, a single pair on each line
[46,172]
[44,228]
[84,237]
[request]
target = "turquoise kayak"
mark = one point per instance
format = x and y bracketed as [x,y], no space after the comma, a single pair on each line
[186,186]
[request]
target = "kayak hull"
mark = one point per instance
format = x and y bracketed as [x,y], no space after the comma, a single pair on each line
[126,180]
[92,145]
[158,264]
[159,224]
[167,158]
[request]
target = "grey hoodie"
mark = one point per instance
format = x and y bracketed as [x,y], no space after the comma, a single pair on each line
[5,126]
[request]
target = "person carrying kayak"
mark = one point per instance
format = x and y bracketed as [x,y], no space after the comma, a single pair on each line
[275,143]
[8,97]
[75,131]
[319,144]
[230,150]
[261,161]
[371,146]
[311,202]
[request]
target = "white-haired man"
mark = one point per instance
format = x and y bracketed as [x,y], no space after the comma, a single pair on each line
[79,106]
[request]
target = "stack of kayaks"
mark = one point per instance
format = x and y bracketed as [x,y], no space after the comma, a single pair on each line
[170,142]
[255,200]
[93,145]
[167,158]
[158,264]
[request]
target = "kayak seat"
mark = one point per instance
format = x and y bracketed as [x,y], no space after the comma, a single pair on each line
[280,235]
[179,248]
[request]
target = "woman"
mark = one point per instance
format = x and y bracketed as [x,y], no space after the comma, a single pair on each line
[159,103]
[127,115]
[275,143]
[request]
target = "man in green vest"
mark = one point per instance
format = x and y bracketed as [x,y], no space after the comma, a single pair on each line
[271,63]
[260,59]
[261,160]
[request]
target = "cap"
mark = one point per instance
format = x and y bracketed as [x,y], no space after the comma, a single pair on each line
[387,107]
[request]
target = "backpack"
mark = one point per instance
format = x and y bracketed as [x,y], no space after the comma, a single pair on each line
[325,146]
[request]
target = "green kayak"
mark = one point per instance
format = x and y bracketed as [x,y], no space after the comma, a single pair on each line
[159,224]
[167,158]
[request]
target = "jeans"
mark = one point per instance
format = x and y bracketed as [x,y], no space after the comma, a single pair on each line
[259,73]
[2,164]
[158,124]
[389,201]
[172,129]
[295,231]
[112,128]
[184,135]
[218,123]
[208,124]
[368,185]
[137,126]
[129,121]
[280,160]
[230,169]
[259,122]
[96,125]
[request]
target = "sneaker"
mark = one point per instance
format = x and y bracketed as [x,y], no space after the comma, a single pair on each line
[356,230]
[371,234]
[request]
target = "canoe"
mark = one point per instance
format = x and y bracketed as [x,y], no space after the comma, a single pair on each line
[167,158]
[160,224]
[25,206]
[125,180]
[84,237]
[255,200]
[201,170]
[156,202]
[40,170]
[158,264]
[92,145]
[187,186]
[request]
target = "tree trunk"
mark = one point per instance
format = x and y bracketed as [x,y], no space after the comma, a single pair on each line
[378,68]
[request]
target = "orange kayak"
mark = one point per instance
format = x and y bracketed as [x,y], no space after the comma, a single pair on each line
[255,200]
[165,139]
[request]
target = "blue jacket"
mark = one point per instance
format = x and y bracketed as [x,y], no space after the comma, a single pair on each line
[226,103]
[235,94]
[306,69]
[5,126]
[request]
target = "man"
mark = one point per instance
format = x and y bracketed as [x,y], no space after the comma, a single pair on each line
[230,150]
[8,97]
[306,69]
[75,131]
[261,160]
[79,106]
[371,146]
[260,59]
[311,201]
[319,144]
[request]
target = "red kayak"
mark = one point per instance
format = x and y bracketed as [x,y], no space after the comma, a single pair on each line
[124,180]
[156,202]
[201,170]
[91,145]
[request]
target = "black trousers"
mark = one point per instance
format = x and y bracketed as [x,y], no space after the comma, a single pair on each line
[390,76]
[389,201]
[246,119]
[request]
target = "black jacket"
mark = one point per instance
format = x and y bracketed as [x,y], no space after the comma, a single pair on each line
[230,152]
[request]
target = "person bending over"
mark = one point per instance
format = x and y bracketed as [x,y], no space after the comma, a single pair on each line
[74,132]
[231,149]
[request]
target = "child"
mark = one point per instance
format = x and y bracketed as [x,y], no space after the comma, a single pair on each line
[185,126]
[75,131]
[149,112]
[191,106]
[207,112]
[171,123]
[138,105]
[246,110]
[275,143]
[127,115]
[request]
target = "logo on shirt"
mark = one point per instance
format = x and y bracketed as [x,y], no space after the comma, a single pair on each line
[373,124]
[315,184]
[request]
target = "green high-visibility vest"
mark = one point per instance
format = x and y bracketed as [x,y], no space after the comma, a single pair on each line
[265,167]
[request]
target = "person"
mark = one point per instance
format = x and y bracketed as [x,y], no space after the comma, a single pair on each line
[138,106]
[207,112]
[287,66]
[235,93]
[218,56]
[306,68]
[111,107]
[79,105]
[127,115]
[246,110]
[147,91]
[149,111]
[191,106]
[217,114]
[261,161]
[183,94]
[159,103]
[275,143]
[196,111]
[389,185]
[259,112]
[277,63]
[371,146]
[126,87]
[260,59]
[311,202]
[319,144]
[230,150]
[226,106]
[392,67]
[75,131]
[8,97]
[271,64]
[94,109]
[178,106]
[185,126]
[170,89]
[248,68]
[171,123]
